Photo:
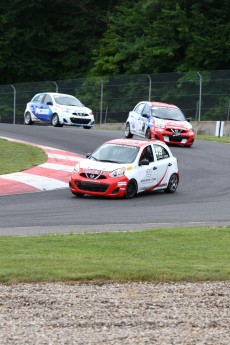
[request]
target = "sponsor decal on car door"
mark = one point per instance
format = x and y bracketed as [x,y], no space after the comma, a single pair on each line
[147,176]
[42,111]
[141,125]
[144,125]
[133,122]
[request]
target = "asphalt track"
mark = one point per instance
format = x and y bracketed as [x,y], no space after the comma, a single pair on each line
[202,198]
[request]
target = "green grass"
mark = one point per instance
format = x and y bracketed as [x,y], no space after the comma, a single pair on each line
[181,254]
[213,138]
[18,156]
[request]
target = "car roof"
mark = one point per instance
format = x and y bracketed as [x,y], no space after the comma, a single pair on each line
[59,94]
[53,94]
[134,142]
[161,104]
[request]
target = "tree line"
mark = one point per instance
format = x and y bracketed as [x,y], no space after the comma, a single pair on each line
[59,39]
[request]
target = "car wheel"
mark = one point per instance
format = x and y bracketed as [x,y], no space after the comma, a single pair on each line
[128,134]
[86,127]
[172,184]
[28,120]
[131,189]
[148,133]
[55,121]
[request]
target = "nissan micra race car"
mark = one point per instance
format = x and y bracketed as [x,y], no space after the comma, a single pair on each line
[125,167]
[162,121]
[58,109]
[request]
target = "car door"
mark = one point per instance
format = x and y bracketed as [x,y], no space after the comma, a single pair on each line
[136,122]
[48,108]
[147,174]
[41,110]
[145,115]
[162,165]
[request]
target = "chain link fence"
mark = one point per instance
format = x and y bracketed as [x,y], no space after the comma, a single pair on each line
[202,96]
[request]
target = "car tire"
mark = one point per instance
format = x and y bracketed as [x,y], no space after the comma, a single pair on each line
[79,195]
[27,119]
[128,134]
[172,184]
[55,121]
[86,127]
[148,133]
[131,189]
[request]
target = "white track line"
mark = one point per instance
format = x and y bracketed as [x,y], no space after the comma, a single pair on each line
[59,167]
[36,181]
[65,157]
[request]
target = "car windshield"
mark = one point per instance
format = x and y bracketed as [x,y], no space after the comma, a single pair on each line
[168,113]
[114,153]
[68,100]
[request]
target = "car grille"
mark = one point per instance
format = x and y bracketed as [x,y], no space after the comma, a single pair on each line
[93,176]
[176,131]
[80,114]
[80,121]
[176,139]
[91,187]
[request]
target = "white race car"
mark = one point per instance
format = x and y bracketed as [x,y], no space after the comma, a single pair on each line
[58,109]
[125,167]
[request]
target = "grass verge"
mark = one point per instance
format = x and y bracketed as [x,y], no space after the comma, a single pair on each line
[181,254]
[214,138]
[18,156]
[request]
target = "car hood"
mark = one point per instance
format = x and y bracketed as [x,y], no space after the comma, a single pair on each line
[80,109]
[75,109]
[89,164]
[173,124]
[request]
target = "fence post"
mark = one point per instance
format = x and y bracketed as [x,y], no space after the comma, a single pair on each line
[228,110]
[150,87]
[200,96]
[101,104]
[56,85]
[14,104]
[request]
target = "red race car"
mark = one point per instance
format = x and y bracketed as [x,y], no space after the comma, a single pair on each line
[162,121]
[125,167]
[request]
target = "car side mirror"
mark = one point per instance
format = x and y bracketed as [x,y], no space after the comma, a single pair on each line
[144,162]
[87,155]
[145,115]
[49,103]
[188,119]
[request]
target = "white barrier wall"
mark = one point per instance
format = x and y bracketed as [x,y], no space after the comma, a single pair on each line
[202,127]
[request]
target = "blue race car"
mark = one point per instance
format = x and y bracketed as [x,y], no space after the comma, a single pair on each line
[58,109]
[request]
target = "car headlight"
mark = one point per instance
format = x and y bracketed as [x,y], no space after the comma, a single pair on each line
[191,131]
[118,172]
[76,168]
[160,125]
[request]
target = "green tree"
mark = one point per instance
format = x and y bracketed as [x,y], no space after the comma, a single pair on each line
[149,36]
[59,39]
[208,42]
[45,40]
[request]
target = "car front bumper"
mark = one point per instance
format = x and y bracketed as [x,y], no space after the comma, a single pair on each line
[80,121]
[109,187]
[182,139]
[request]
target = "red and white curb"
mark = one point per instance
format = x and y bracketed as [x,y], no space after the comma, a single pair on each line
[54,174]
